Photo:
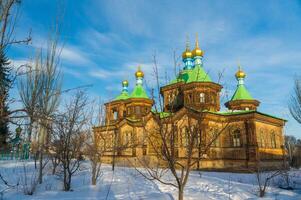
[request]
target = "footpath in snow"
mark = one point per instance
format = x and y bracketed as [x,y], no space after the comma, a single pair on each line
[126,183]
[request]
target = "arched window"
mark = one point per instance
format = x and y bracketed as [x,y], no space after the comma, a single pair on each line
[115,114]
[194,133]
[186,136]
[273,140]
[189,98]
[261,138]
[202,97]
[236,138]
[127,138]
[214,137]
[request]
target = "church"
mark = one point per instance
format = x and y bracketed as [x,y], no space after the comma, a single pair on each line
[241,135]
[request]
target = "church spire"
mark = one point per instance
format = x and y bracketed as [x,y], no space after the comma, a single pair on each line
[187,56]
[240,75]
[197,53]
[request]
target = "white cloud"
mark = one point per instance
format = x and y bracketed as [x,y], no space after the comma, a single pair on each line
[74,55]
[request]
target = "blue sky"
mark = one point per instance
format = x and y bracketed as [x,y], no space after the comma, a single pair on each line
[104,41]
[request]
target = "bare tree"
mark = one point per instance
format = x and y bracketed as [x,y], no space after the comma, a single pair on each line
[178,145]
[8,19]
[9,12]
[264,177]
[40,91]
[295,101]
[69,134]
[95,152]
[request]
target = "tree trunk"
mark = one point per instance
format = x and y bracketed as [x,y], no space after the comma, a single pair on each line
[113,161]
[54,165]
[261,193]
[41,165]
[93,174]
[181,193]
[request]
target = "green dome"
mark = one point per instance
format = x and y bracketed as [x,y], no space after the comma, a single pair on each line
[139,92]
[241,93]
[124,95]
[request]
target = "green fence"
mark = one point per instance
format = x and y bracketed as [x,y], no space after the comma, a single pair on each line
[21,153]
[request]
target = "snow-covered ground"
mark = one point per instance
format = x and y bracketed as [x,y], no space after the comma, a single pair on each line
[126,183]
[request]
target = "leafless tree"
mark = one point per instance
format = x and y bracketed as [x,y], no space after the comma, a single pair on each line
[264,177]
[295,101]
[178,145]
[8,19]
[9,13]
[69,134]
[40,91]
[94,149]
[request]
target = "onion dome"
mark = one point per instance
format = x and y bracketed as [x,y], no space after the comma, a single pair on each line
[197,51]
[139,91]
[124,94]
[125,83]
[187,53]
[240,74]
[139,73]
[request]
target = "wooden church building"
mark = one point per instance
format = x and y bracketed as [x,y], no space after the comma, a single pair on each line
[243,136]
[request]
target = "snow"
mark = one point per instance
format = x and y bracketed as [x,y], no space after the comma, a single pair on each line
[126,183]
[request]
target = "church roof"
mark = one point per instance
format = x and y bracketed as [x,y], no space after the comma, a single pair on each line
[124,95]
[197,74]
[139,92]
[241,93]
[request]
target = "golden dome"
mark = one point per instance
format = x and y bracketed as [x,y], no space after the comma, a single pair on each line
[125,83]
[240,73]
[139,73]
[187,54]
[197,51]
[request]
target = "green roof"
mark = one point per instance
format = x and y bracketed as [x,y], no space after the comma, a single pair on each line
[244,112]
[124,95]
[241,93]
[197,74]
[139,92]
[162,114]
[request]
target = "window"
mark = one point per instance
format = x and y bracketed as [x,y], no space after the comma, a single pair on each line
[261,139]
[138,110]
[273,140]
[127,138]
[195,134]
[214,137]
[202,97]
[236,138]
[115,114]
[189,98]
[185,135]
[171,97]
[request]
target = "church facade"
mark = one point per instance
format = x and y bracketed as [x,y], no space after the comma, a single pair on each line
[241,136]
